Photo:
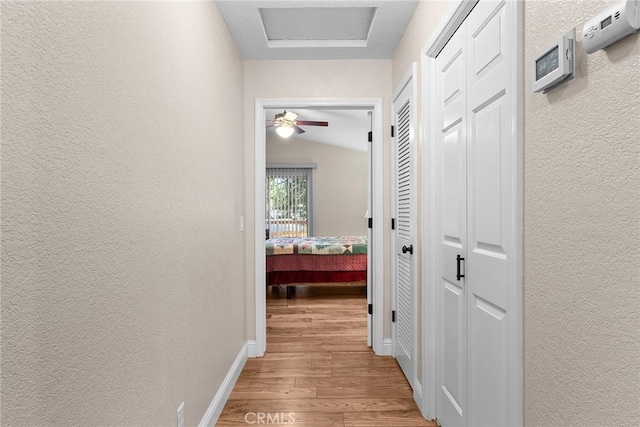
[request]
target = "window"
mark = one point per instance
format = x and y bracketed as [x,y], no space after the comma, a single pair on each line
[288,207]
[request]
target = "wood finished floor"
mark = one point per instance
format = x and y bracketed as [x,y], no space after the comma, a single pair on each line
[319,368]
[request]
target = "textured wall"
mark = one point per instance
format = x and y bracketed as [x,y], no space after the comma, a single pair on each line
[121,252]
[581,295]
[310,79]
[339,183]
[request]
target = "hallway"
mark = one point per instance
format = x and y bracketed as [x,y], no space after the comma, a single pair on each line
[319,368]
[132,211]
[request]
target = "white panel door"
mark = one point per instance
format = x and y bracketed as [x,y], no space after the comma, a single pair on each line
[477,221]
[404,142]
[490,201]
[451,394]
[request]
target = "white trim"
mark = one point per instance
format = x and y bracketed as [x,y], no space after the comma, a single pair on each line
[377,252]
[369,231]
[517,330]
[387,347]
[429,318]
[301,44]
[378,227]
[392,213]
[448,26]
[251,349]
[417,393]
[441,36]
[220,399]
[292,166]
[260,250]
[408,76]
[414,218]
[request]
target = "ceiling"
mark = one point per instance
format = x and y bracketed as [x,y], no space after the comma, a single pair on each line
[317,29]
[348,128]
[320,29]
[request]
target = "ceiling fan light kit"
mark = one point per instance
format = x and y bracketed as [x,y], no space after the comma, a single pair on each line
[284,131]
[286,124]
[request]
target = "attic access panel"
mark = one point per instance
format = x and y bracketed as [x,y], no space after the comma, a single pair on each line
[317,23]
[373,35]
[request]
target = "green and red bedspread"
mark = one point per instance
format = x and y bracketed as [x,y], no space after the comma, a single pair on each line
[316,260]
[341,245]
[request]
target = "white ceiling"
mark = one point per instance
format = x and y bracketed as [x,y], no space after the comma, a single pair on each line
[348,128]
[317,29]
[320,29]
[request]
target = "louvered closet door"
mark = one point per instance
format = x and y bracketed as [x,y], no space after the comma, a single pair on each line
[451,154]
[404,348]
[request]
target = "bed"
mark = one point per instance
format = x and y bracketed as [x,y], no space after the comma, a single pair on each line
[316,260]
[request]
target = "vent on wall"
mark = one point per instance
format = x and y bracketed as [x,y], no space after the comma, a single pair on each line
[317,26]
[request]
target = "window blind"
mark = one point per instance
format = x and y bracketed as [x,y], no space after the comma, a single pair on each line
[288,208]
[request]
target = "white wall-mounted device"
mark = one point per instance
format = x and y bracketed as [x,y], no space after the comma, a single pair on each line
[610,25]
[555,64]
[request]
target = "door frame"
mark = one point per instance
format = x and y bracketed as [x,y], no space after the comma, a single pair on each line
[375,292]
[409,77]
[431,49]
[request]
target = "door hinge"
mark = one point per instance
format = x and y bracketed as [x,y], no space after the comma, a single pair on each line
[370,308]
[393,316]
[370,136]
[393,131]
[370,223]
[393,223]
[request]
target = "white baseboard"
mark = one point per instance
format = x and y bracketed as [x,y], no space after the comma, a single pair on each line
[417,394]
[220,399]
[251,348]
[386,347]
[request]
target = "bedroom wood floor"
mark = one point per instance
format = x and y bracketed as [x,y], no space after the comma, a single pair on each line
[318,367]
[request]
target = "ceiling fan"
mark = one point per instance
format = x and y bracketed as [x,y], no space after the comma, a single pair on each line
[286,124]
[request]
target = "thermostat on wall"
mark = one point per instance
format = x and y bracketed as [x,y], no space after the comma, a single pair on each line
[555,64]
[610,25]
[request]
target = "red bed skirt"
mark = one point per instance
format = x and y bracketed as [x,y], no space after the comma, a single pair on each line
[288,277]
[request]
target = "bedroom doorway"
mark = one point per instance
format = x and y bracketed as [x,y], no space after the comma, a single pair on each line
[371,219]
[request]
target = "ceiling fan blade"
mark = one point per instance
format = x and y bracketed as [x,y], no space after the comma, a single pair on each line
[270,125]
[311,123]
[297,130]
[290,115]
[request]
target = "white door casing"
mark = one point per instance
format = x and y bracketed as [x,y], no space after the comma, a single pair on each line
[474,145]
[257,348]
[370,167]
[404,236]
